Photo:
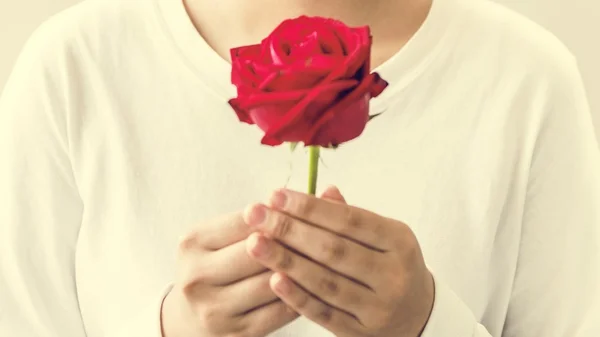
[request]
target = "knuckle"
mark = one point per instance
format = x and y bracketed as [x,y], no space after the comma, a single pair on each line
[377,317]
[370,264]
[302,301]
[351,220]
[354,299]
[329,286]
[379,320]
[289,312]
[201,277]
[405,238]
[190,290]
[304,205]
[194,284]
[187,243]
[212,312]
[285,261]
[211,316]
[409,252]
[334,250]
[413,249]
[195,278]
[398,288]
[283,225]
[381,230]
[324,314]
[239,328]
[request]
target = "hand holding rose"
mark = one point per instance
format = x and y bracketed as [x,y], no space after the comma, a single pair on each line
[219,290]
[353,272]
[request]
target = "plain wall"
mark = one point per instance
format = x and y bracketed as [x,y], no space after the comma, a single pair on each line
[576,22]
[18,19]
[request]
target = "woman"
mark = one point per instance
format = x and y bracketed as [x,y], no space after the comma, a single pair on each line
[478,187]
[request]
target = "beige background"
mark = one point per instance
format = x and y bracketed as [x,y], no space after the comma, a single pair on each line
[576,22]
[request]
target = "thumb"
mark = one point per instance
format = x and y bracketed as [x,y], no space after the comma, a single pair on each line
[333,193]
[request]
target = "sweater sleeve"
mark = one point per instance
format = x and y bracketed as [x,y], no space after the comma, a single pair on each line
[40,208]
[556,290]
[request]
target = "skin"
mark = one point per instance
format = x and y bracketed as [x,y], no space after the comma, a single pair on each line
[250,273]
[392,22]
[352,271]
[219,289]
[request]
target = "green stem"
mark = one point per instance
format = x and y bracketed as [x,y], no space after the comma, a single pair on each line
[313,168]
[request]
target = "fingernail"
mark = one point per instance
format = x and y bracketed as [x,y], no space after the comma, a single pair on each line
[332,188]
[279,199]
[260,247]
[255,215]
[281,285]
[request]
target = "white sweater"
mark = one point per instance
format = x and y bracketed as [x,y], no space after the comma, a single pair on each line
[116,139]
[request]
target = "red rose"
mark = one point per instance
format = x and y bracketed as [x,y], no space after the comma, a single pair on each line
[309,81]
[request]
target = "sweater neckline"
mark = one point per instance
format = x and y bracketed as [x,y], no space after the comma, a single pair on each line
[399,70]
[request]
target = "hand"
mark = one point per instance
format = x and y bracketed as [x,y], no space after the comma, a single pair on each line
[355,273]
[219,289]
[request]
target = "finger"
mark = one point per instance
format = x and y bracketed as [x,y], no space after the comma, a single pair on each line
[222,267]
[333,193]
[334,289]
[267,319]
[357,224]
[312,308]
[218,233]
[232,264]
[334,251]
[247,295]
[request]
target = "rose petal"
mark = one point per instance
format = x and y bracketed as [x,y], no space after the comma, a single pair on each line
[300,38]
[278,45]
[245,73]
[378,86]
[242,114]
[305,48]
[271,141]
[300,75]
[242,74]
[345,125]
[258,99]
[291,80]
[357,59]
[343,33]
[307,81]
[247,67]
[279,53]
[251,52]
[264,120]
[372,84]
[330,42]
[341,123]
[312,103]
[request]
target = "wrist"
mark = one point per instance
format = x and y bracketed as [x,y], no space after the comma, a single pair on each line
[426,306]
